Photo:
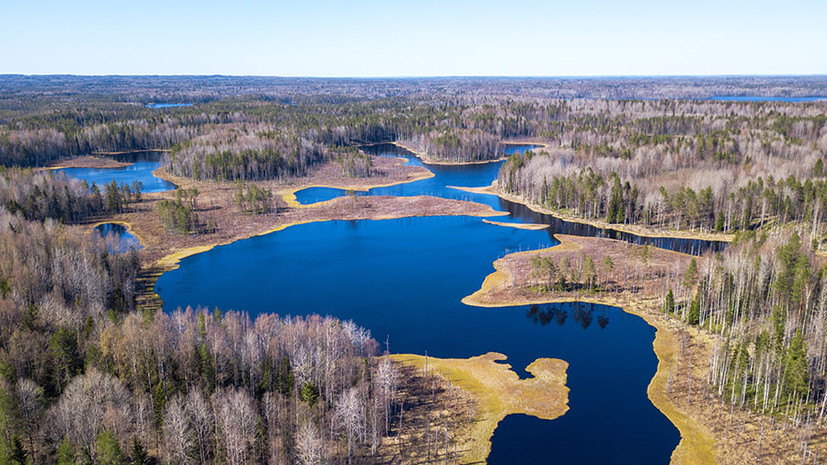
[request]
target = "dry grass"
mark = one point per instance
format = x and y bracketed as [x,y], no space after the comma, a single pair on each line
[529,226]
[498,392]
[489,190]
[711,430]
[216,202]
[86,162]
[646,272]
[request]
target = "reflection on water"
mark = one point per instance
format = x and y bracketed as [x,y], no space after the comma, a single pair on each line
[583,314]
[118,238]
[140,171]
[479,175]
[404,280]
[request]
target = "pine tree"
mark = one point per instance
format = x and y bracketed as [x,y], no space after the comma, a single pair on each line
[108,450]
[796,376]
[669,302]
[66,453]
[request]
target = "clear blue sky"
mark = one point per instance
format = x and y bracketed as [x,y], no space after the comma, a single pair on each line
[413,38]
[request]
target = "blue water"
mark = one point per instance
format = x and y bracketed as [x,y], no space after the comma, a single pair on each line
[753,98]
[404,280]
[141,170]
[481,175]
[118,238]
[168,105]
[444,176]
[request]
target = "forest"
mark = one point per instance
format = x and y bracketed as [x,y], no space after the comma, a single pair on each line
[88,375]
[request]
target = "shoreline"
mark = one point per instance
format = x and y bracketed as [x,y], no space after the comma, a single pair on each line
[498,392]
[90,162]
[125,224]
[526,226]
[289,195]
[637,230]
[127,152]
[697,441]
[171,260]
[430,161]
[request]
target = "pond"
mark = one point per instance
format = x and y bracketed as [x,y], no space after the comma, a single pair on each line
[118,238]
[140,170]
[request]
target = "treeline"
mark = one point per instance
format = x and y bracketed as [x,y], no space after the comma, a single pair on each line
[557,181]
[86,377]
[767,297]
[39,196]
[180,215]
[457,145]
[230,154]
[354,163]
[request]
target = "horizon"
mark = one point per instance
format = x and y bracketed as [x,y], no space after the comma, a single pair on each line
[445,76]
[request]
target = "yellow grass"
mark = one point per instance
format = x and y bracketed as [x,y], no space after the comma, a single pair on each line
[488,190]
[529,226]
[289,195]
[499,392]
[697,445]
[125,224]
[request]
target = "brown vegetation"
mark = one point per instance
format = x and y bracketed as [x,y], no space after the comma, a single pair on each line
[682,388]
[496,391]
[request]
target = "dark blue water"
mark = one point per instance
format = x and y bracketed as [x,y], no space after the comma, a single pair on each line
[474,175]
[481,175]
[753,98]
[143,164]
[118,238]
[404,279]
[168,105]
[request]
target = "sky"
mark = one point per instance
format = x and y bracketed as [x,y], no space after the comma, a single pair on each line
[380,38]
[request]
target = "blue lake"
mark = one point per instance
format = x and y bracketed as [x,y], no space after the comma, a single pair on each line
[143,164]
[752,98]
[118,238]
[168,105]
[481,175]
[404,280]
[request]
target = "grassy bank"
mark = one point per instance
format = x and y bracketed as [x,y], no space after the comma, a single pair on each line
[498,392]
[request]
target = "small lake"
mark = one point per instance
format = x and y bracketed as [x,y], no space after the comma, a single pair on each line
[118,238]
[143,164]
[168,105]
[404,280]
[753,98]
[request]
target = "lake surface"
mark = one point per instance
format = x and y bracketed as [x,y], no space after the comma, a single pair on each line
[143,164]
[118,238]
[753,98]
[404,280]
[168,105]
[481,175]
